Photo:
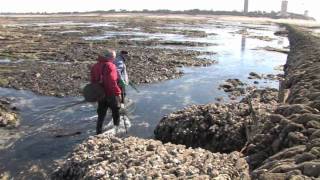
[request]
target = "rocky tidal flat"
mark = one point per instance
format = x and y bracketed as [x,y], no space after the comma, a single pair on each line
[281,144]
[268,134]
[37,53]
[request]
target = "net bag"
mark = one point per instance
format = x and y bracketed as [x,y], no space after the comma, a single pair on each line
[93,92]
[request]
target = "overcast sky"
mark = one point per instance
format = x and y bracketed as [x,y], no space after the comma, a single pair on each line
[298,6]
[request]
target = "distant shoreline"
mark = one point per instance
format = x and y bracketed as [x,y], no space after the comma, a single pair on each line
[260,14]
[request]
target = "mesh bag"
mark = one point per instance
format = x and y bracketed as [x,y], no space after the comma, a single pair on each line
[93,92]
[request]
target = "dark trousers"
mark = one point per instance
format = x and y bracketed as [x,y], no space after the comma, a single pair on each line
[123,94]
[103,105]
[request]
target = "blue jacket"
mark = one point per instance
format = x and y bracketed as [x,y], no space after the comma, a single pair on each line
[121,68]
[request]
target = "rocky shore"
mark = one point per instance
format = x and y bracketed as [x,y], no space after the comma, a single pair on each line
[108,157]
[37,54]
[280,144]
[216,127]
[277,133]
[288,145]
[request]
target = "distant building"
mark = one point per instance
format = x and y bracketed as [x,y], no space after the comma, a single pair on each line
[284,7]
[306,13]
[246,6]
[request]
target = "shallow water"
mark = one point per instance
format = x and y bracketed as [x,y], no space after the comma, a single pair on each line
[5,61]
[64,23]
[236,59]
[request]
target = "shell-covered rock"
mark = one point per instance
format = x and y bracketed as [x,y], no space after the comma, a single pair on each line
[109,157]
[288,146]
[8,118]
[216,127]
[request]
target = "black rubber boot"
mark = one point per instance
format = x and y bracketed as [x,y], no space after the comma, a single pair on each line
[99,125]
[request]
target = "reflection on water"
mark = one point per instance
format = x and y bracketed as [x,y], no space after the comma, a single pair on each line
[40,145]
[243,42]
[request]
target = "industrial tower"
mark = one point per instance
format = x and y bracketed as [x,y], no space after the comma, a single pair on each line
[284,7]
[246,6]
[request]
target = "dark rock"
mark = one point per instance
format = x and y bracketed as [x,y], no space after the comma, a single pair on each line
[8,117]
[313,143]
[313,124]
[272,176]
[287,110]
[300,158]
[315,134]
[304,118]
[281,33]
[276,118]
[254,75]
[311,169]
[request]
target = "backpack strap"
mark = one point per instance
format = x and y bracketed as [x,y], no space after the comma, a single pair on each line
[102,73]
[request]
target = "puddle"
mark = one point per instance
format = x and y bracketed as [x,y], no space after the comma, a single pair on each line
[136,34]
[65,23]
[5,61]
[219,36]
[39,144]
[9,61]
[54,62]
[67,32]
[106,24]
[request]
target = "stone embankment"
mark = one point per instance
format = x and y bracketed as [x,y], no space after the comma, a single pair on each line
[289,143]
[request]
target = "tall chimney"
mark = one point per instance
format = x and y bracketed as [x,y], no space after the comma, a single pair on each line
[284,7]
[246,6]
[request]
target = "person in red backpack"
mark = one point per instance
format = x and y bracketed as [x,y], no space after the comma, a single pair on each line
[104,72]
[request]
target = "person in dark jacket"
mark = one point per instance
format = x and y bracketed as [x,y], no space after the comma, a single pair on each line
[105,73]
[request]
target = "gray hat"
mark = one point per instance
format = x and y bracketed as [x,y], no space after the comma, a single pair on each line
[109,54]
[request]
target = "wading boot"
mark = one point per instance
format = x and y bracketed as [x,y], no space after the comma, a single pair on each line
[99,125]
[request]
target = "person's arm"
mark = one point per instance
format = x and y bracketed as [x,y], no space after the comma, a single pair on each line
[117,62]
[125,74]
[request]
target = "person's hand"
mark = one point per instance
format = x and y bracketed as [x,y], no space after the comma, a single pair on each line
[122,83]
